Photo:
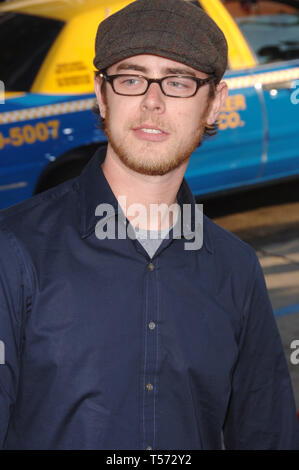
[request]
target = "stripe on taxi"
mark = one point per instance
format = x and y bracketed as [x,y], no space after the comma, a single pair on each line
[266,78]
[48,110]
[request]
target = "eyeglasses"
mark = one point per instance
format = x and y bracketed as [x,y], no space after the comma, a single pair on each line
[176,86]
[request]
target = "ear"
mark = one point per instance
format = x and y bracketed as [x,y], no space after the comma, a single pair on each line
[218,101]
[100,99]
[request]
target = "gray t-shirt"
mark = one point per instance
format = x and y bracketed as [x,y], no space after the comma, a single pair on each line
[151,239]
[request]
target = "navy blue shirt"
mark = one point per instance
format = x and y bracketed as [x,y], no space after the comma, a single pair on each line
[106,348]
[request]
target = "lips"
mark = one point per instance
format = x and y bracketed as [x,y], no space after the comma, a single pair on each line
[151,133]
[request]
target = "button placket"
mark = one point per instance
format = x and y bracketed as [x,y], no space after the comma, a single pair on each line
[150,358]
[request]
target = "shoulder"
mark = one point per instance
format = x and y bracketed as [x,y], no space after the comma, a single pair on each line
[231,255]
[222,240]
[34,226]
[238,281]
[42,208]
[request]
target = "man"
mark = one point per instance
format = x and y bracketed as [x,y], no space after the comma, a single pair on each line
[124,340]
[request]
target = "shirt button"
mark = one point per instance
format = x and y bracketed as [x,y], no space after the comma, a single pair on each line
[152,325]
[151,267]
[149,387]
[149,448]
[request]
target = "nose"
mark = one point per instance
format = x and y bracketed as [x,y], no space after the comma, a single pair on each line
[153,100]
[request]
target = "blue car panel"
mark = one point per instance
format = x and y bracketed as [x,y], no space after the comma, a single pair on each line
[282,111]
[37,129]
[234,156]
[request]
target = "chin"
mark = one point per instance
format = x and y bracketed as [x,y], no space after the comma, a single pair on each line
[151,166]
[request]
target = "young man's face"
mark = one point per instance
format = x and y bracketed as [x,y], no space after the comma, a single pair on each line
[181,120]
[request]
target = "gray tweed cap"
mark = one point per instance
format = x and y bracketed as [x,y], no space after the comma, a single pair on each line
[175,29]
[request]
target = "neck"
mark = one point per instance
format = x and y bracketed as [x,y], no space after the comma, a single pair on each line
[154,194]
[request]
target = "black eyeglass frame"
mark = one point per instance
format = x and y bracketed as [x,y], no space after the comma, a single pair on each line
[199,82]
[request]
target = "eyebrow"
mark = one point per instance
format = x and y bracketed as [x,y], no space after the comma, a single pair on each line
[166,70]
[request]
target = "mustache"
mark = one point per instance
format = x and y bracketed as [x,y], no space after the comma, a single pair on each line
[150,122]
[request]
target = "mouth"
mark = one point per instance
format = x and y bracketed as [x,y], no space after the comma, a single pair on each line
[151,133]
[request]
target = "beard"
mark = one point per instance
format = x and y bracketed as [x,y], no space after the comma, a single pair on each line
[146,160]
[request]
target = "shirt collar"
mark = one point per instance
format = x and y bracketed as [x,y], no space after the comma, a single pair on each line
[94,189]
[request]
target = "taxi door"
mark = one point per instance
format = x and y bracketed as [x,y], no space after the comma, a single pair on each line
[271,29]
[234,157]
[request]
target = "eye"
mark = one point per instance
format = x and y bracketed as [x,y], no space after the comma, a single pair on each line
[176,84]
[129,81]
[180,83]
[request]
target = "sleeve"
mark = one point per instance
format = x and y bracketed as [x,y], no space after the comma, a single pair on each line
[261,412]
[11,313]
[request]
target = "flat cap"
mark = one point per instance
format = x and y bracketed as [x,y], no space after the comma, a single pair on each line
[174,29]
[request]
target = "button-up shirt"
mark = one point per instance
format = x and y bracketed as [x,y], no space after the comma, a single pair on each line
[107,348]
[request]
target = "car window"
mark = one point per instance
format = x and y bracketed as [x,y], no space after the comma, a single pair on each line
[25,41]
[271,28]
